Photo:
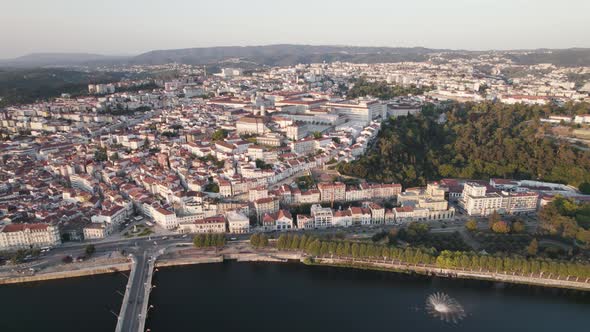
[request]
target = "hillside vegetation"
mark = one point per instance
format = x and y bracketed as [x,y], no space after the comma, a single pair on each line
[21,86]
[475,141]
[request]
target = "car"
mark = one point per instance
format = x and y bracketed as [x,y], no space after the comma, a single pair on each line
[233,238]
[165,238]
[184,236]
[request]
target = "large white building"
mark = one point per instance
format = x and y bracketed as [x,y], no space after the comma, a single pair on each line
[83,182]
[250,125]
[237,222]
[165,218]
[96,231]
[322,217]
[215,224]
[363,111]
[477,201]
[25,236]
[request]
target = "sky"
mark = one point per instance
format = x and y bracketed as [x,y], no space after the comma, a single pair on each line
[128,27]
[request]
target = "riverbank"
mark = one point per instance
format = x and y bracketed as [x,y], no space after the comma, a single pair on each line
[447,273]
[74,272]
[193,256]
[199,256]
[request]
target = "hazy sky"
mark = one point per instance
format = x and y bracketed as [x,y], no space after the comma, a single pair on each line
[134,26]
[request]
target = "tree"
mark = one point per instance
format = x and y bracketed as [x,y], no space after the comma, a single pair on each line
[295,243]
[19,256]
[532,248]
[518,227]
[114,156]
[198,241]
[471,225]
[262,165]
[255,240]
[282,241]
[314,248]
[501,227]
[219,135]
[583,236]
[90,249]
[220,240]
[493,218]
[347,249]
[302,242]
[585,188]
[100,154]
[263,241]
[355,250]
[324,248]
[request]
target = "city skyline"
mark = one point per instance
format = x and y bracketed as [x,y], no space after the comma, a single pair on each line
[133,27]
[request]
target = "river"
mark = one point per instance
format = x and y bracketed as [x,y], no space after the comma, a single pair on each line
[289,297]
[66,305]
[294,297]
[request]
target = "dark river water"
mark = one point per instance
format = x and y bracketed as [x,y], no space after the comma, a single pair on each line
[64,305]
[290,297]
[293,297]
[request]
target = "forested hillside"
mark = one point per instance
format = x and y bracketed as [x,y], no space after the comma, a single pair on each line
[382,90]
[477,141]
[20,86]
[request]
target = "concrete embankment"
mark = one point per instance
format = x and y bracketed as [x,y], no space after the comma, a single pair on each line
[66,274]
[177,260]
[433,271]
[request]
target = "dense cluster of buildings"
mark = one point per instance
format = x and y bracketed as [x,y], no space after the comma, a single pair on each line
[220,153]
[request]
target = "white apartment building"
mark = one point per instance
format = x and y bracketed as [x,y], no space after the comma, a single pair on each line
[96,231]
[237,222]
[165,218]
[332,192]
[82,182]
[114,216]
[25,236]
[304,147]
[363,111]
[264,206]
[476,201]
[322,217]
[257,193]
[214,224]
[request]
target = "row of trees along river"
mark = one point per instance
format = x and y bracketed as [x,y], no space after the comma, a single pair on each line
[514,264]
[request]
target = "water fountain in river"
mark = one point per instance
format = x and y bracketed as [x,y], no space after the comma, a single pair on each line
[442,306]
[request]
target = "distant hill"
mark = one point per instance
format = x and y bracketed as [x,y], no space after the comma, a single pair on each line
[59,59]
[285,54]
[566,57]
[276,55]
